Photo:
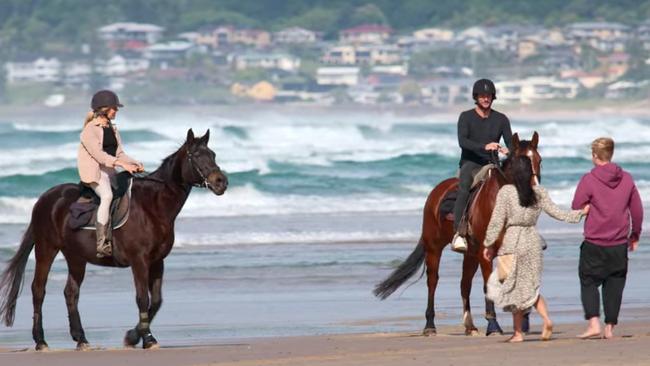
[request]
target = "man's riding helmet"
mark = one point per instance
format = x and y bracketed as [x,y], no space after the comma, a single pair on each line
[484,86]
[104,98]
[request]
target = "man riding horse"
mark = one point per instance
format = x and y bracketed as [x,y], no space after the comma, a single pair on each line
[479,131]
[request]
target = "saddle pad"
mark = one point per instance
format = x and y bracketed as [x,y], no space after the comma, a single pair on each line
[119,211]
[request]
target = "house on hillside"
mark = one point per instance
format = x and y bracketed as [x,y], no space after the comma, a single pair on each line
[603,36]
[278,61]
[337,75]
[169,54]
[295,35]
[446,92]
[40,70]
[529,90]
[130,36]
[365,34]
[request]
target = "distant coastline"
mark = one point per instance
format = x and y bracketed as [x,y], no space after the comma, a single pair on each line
[556,110]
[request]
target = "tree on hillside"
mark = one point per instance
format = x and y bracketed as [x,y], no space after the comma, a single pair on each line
[367,14]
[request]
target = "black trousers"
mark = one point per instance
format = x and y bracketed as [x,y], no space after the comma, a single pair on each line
[467,171]
[606,267]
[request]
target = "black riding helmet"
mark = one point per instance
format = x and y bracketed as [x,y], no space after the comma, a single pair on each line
[484,86]
[105,98]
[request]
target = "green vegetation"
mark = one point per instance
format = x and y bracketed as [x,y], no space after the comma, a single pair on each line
[63,25]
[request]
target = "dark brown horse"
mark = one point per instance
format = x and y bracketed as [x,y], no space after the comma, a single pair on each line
[142,243]
[437,232]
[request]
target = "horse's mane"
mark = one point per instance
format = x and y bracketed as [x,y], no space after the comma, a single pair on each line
[165,169]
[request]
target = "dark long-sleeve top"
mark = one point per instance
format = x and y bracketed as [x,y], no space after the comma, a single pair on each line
[474,132]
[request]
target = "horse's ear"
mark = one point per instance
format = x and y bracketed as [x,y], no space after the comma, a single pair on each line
[535,140]
[515,142]
[205,138]
[190,135]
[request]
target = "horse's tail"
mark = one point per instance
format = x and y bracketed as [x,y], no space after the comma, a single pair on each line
[400,275]
[12,278]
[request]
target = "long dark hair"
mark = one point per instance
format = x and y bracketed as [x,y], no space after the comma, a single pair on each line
[522,174]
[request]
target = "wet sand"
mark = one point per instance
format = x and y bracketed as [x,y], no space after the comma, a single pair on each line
[449,347]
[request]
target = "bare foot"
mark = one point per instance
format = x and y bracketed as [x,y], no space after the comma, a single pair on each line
[609,331]
[516,338]
[547,331]
[590,333]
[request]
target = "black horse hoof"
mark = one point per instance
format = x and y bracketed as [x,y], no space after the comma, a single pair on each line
[427,332]
[493,327]
[149,342]
[42,347]
[132,338]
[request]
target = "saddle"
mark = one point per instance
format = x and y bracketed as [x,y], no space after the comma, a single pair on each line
[83,212]
[447,205]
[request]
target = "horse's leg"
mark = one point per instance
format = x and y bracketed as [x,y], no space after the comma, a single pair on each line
[490,313]
[470,265]
[44,257]
[76,273]
[155,288]
[432,261]
[140,271]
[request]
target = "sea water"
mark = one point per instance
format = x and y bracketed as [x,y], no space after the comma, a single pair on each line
[319,209]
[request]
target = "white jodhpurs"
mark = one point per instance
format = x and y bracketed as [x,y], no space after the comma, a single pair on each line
[105,193]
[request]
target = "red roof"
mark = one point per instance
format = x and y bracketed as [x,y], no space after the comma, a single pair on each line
[368,28]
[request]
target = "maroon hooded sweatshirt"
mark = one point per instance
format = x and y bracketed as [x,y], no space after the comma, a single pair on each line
[614,201]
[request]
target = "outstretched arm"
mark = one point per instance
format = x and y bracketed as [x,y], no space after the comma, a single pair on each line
[555,212]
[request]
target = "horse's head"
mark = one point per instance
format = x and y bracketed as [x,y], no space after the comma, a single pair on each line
[529,149]
[201,169]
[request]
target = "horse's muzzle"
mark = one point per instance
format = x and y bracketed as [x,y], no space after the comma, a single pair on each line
[217,182]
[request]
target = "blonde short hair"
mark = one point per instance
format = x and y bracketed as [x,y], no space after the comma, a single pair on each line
[603,148]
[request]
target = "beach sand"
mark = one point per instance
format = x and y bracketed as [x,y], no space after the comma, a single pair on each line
[449,347]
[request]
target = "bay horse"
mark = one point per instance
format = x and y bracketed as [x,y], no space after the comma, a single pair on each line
[142,243]
[437,232]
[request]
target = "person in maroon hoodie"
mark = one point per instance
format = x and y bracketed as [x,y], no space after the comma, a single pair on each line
[614,201]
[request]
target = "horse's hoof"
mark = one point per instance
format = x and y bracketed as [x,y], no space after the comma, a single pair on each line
[153,345]
[493,328]
[472,332]
[429,332]
[83,346]
[131,338]
[149,342]
[42,347]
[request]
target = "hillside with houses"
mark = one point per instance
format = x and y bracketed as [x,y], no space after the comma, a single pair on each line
[366,64]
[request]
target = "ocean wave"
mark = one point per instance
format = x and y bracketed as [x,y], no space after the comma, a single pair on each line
[303,237]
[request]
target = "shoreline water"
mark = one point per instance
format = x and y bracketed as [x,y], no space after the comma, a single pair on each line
[449,347]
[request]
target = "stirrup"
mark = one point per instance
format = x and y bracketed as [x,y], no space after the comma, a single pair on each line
[459,244]
[105,249]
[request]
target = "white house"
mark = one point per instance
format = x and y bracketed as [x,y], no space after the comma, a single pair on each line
[365,34]
[337,75]
[295,35]
[536,88]
[39,70]
[120,66]
[168,53]
[265,61]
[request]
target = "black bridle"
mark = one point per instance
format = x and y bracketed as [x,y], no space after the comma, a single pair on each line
[204,183]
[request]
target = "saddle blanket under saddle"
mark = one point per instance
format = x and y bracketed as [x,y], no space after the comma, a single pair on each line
[447,204]
[83,212]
